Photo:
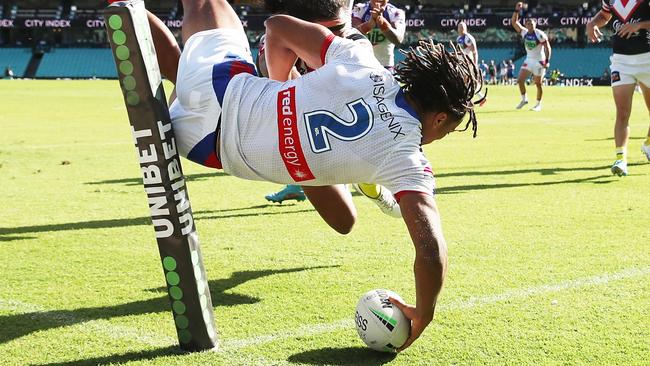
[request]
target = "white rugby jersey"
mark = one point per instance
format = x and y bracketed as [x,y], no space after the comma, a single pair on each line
[384,48]
[345,122]
[533,43]
[466,41]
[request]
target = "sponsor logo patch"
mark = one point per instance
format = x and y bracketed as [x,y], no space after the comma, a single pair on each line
[616,76]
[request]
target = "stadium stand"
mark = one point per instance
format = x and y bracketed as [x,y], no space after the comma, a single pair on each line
[16,58]
[77,63]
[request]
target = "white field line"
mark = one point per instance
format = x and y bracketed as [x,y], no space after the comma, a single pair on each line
[54,146]
[154,339]
[457,305]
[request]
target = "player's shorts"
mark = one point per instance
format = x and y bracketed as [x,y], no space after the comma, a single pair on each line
[534,66]
[630,69]
[208,62]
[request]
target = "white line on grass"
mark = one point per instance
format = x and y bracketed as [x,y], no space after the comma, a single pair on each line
[63,318]
[472,302]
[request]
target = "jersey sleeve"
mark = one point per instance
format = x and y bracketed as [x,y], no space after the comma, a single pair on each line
[342,50]
[523,32]
[469,40]
[605,7]
[358,10]
[543,38]
[404,172]
[398,19]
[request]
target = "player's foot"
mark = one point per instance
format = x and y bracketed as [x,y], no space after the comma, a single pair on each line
[646,150]
[522,104]
[619,168]
[290,192]
[385,201]
[537,108]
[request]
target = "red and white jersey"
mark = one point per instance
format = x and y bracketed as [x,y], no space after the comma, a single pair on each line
[384,48]
[533,43]
[624,12]
[347,121]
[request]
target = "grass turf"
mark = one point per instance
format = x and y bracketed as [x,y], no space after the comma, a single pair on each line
[548,253]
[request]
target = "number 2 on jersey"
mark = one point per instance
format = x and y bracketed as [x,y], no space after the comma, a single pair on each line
[323,125]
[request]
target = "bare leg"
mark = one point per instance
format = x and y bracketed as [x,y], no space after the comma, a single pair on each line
[335,206]
[538,83]
[521,81]
[203,15]
[623,95]
[646,95]
[167,49]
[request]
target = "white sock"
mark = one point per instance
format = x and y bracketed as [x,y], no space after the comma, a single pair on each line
[524,98]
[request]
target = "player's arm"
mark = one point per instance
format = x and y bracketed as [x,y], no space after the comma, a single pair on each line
[393,31]
[167,50]
[628,30]
[548,51]
[599,20]
[474,50]
[359,24]
[288,38]
[334,204]
[423,222]
[515,18]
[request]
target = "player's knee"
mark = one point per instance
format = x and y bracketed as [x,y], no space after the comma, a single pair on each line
[345,224]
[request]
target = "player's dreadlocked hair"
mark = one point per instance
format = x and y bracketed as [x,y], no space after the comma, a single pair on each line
[441,81]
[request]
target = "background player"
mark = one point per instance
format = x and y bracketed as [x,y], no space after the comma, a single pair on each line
[630,66]
[538,57]
[384,24]
[467,43]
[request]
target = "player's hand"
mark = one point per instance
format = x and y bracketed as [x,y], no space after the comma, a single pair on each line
[518,6]
[382,23]
[419,320]
[628,30]
[593,33]
[375,14]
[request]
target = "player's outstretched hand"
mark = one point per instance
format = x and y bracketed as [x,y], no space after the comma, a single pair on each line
[593,33]
[518,6]
[419,320]
[628,30]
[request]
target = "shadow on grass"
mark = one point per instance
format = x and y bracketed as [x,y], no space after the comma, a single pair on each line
[137,221]
[541,171]
[476,187]
[612,139]
[138,181]
[351,356]
[19,325]
[122,358]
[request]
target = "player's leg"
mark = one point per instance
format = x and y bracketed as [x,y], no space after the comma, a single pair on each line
[623,95]
[646,95]
[539,81]
[381,197]
[201,15]
[335,206]
[167,50]
[524,74]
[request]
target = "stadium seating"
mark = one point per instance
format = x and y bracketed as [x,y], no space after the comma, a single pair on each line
[16,58]
[77,63]
[578,62]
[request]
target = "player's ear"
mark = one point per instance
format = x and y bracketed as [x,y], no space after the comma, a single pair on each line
[440,118]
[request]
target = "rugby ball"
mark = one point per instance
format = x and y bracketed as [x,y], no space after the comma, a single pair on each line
[380,324]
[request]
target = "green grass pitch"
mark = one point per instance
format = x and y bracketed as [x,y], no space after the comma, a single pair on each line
[549,253]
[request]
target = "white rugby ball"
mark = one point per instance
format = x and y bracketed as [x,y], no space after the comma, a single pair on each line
[380,324]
